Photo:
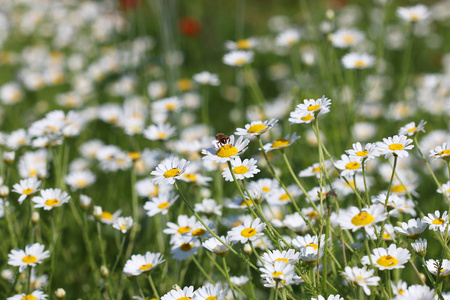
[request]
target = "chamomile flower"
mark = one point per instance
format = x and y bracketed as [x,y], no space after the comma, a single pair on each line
[187,293]
[167,105]
[139,264]
[33,255]
[108,218]
[35,295]
[243,44]
[206,78]
[413,229]
[256,128]
[354,218]
[418,292]
[26,187]
[160,131]
[249,231]
[160,203]
[223,152]
[441,152]
[396,145]
[210,292]
[51,198]
[310,109]
[279,271]
[209,207]
[241,169]
[345,38]
[169,170]
[314,170]
[184,226]
[349,165]
[355,60]
[445,188]
[369,151]
[420,246]
[310,241]
[183,247]
[238,58]
[417,13]
[239,280]
[123,224]
[288,38]
[295,223]
[400,288]
[282,143]
[330,297]
[80,179]
[362,277]
[288,256]
[390,258]
[411,129]
[436,221]
[215,246]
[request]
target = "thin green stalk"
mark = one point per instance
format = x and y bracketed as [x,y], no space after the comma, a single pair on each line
[365,182]
[122,245]
[152,285]
[227,275]
[256,253]
[430,277]
[199,266]
[9,224]
[254,86]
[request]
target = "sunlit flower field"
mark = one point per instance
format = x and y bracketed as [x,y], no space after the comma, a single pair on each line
[224,150]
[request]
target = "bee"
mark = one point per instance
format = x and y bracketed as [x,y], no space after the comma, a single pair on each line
[222,139]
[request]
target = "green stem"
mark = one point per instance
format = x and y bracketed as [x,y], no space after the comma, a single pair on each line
[199,266]
[122,245]
[152,285]
[227,275]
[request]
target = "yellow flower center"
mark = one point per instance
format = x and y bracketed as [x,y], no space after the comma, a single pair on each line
[307,117]
[362,219]
[211,298]
[240,170]
[256,128]
[284,197]
[401,292]
[267,189]
[172,173]
[52,202]
[134,155]
[314,107]
[161,135]
[387,261]
[145,267]
[445,152]
[281,143]
[29,297]
[184,84]
[227,151]
[312,214]
[240,61]
[362,153]
[198,232]
[185,247]
[315,246]
[249,232]
[352,165]
[414,16]
[191,177]
[27,191]
[396,146]
[183,230]
[282,259]
[163,205]
[277,274]
[438,221]
[107,215]
[29,259]
[250,202]
[360,64]
[243,44]
[349,39]
[412,129]
[81,183]
[171,106]
[386,236]
[398,188]
[184,298]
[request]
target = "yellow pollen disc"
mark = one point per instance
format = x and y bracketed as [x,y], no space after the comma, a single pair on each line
[240,61]
[29,297]
[256,128]
[191,177]
[277,274]
[267,189]
[134,155]
[315,246]
[316,169]
[398,188]
[249,232]
[281,143]
[243,44]
[198,232]
[387,261]
[314,107]
[237,223]
[362,219]
[107,215]
[186,247]
[33,173]
[307,118]
[360,64]
[184,84]
[284,197]
[401,292]
[412,129]
[445,152]
[29,259]
[386,236]
[282,259]
[27,191]
[52,202]
[438,221]
[145,267]
[211,298]
[240,170]
[448,191]
[161,135]
[414,17]
[171,106]
[312,214]
[81,183]
[184,298]
[123,227]
[349,39]
[250,202]
[163,205]
[352,165]
[183,230]
[227,151]
[362,153]
[172,173]
[396,146]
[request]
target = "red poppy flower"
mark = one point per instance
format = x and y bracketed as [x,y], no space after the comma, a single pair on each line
[189,26]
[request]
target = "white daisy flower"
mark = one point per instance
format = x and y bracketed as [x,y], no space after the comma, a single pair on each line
[390,258]
[241,169]
[139,264]
[184,226]
[35,295]
[169,170]
[295,223]
[396,145]
[346,37]
[436,221]
[413,229]
[362,277]
[160,131]
[210,292]
[167,105]
[26,187]
[288,38]
[420,246]
[238,58]
[207,78]
[310,109]
[183,247]
[33,255]
[249,231]
[349,165]
[256,128]
[446,188]
[282,143]
[356,60]
[369,151]
[209,207]
[441,152]
[330,297]
[353,218]
[51,198]
[243,44]
[80,179]
[288,256]
[314,170]
[239,280]
[223,152]
[400,288]
[215,246]
[417,13]
[418,292]
[411,129]
[187,293]
[160,203]
[279,271]
[109,218]
[123,224]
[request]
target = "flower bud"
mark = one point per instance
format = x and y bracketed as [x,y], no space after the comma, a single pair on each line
[248,249]
[104,271]
[60,293]
[330,14]
[35,217]
[8,157]
[85,202]
[4,191]
[98,211]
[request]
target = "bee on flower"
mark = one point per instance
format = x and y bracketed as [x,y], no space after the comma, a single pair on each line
[226,150]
